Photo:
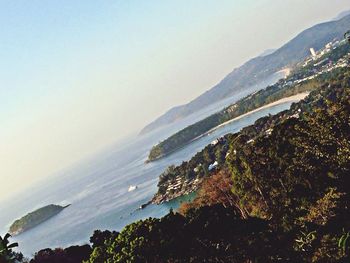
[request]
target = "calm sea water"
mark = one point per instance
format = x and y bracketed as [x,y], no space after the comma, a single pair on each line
[97,188]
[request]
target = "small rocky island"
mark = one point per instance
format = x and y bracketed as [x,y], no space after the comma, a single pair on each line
[35,218]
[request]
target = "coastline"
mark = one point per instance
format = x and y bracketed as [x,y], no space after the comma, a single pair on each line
[189,188]
[285,71]
[293,98]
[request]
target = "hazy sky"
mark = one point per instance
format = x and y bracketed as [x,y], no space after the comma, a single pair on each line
[76,76]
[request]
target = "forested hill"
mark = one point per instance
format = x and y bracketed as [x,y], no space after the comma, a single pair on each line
[182,179]
[259,68]
[279,197]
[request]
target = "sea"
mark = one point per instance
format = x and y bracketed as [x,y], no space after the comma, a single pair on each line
[97,187]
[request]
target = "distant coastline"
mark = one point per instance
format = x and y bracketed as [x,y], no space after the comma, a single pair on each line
[294,98]
[278,94]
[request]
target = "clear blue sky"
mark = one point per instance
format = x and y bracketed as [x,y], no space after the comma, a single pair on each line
[71,71]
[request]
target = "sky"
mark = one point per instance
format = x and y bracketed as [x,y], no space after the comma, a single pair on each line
[77,76]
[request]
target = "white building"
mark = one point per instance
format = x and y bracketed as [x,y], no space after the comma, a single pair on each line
[313,52]
[215,142]
[212,166]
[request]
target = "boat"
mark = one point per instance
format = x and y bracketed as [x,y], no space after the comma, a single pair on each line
[145,205]
[132,188]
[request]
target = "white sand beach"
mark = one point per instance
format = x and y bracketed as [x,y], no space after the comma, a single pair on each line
[293,98]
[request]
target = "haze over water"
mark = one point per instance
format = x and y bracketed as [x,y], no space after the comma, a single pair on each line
[97,188]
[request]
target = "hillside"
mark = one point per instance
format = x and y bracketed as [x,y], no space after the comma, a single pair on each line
[257,69]
[34,218]
[188,176]
[280,196]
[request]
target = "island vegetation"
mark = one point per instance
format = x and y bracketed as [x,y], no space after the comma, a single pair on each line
[34,218]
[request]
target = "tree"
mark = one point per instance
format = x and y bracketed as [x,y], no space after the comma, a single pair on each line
[73,254]
[6,253]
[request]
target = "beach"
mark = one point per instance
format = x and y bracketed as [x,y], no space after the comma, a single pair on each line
[294,98]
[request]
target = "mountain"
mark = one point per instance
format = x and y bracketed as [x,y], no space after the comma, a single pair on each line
[257,69]
[342,14]
[267,52]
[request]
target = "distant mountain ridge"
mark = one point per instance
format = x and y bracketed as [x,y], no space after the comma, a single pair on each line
[267,52]
[342,14]
[256,69]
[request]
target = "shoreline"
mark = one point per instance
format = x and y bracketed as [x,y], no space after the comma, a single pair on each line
[293,98]
[285,71]
[160,198]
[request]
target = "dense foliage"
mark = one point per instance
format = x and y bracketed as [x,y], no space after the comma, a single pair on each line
[6,252]
[73,254]
[282,198]
[208,234]
[304,156]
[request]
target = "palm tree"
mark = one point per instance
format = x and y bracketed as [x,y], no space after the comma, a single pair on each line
[6,252]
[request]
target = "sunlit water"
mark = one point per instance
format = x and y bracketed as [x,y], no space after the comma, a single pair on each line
[97,189]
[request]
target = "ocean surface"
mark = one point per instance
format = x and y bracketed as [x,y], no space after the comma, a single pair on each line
[97,188]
